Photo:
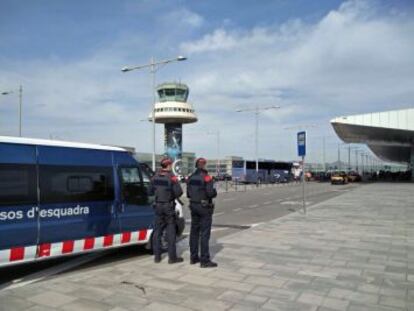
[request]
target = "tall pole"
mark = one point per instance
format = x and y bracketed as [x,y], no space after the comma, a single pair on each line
[218,152]
[303,184]
[349,157]
[324,153]
[362,163]
[257,142]
[153,65]
[257,112]
[339,156]
[20,109]
[356,161]
[153,113]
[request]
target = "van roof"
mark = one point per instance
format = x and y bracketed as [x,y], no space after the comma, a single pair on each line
[55,143]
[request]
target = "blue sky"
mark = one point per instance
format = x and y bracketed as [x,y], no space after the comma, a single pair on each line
[316,59]
[38,29]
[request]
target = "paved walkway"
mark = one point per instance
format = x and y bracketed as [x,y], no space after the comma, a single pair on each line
[353,252]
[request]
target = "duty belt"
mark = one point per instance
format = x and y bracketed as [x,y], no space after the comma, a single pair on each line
[202,202]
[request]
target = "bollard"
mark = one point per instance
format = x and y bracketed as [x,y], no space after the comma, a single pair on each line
[227,185]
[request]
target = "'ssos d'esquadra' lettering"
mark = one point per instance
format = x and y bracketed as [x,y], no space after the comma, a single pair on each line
[44,213]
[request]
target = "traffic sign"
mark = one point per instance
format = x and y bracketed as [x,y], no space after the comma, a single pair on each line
[302,144]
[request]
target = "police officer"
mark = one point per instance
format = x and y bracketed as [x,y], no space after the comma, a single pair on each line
[167,189]
[201,191]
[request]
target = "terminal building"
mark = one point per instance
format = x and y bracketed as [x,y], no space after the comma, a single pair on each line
[389,134]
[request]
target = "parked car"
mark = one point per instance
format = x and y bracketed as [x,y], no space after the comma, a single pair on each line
[223,177]
[354,177]
[339,178]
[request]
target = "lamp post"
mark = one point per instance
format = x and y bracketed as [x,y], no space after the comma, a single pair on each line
[20,91]
[324,153]
[217,134]
[339,156]
[257,110]
[356,161]
[350,148]
[362,163]
[153,66]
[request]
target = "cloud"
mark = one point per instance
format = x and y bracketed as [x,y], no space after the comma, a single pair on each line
[354,59]
[218,40]
[182,16]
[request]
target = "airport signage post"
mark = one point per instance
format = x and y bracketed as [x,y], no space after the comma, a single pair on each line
[302,153]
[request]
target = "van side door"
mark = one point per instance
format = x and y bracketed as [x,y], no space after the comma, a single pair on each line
[77,211]
[136,213]
[18,203]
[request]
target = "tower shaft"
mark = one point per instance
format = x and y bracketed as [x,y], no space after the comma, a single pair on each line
[173,140]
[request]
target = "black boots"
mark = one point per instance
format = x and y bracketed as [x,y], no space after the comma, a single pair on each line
[194,261]
[175,260]
[208,264]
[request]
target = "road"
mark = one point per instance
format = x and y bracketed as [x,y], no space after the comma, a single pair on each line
[234,211]
[240,210]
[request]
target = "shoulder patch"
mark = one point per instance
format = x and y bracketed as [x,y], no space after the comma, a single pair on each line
[208,178]
[174,179]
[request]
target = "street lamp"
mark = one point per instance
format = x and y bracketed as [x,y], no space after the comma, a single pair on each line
[154,66]
[217,134]
[20,91]
[350,148]
[257,111]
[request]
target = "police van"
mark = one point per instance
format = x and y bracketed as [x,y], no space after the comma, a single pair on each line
[62,198]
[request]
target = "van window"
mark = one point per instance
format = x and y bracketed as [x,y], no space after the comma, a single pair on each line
[146,178]
[17,184]
[79,184]
[59,184]
[132,188]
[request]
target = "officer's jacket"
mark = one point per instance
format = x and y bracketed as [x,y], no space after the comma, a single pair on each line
[200,186]
[165,186]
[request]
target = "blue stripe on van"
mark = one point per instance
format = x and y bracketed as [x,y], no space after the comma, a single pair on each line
[124,158]
[18,154]
[72,156]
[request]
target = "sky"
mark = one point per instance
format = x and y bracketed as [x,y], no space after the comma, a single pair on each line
[315,59]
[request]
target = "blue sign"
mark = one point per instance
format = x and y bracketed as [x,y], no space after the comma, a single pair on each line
[302,144]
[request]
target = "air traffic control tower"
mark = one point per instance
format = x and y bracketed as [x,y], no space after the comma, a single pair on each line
[173,110]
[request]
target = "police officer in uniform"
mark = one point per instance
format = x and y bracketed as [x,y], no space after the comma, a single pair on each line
[167,189]
[201,191]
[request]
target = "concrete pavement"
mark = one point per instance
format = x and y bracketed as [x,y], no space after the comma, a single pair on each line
[235,211]
[352,252]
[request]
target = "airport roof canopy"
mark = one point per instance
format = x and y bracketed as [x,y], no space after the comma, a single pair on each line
[389,134]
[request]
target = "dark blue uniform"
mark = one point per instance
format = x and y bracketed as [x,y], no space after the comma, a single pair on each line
[166,188]
[200,191]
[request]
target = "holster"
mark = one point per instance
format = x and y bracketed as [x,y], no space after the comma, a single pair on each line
[207,204]
[171,204]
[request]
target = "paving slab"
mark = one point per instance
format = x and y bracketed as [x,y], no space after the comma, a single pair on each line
[353,252]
